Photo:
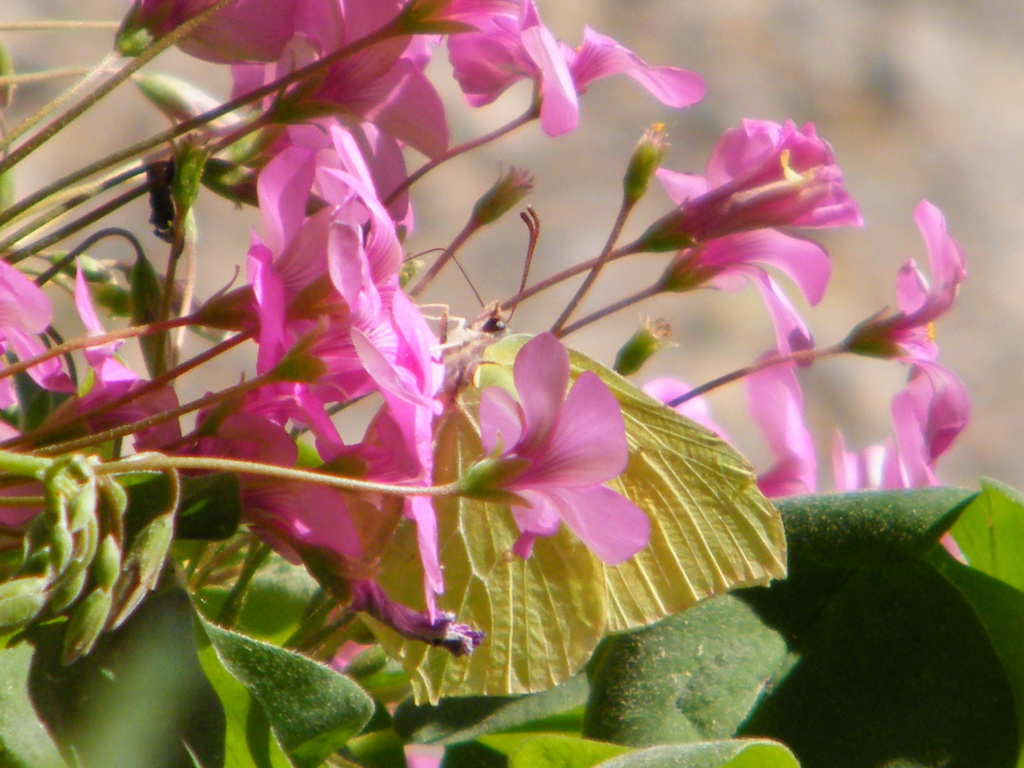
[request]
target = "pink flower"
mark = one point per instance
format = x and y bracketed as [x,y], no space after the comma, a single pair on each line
[777,407]
[761,174]
[908,334]
[513,44]
[928,415]
[728,263]
[24,314]
[556,450]
[244,30]
[383,83]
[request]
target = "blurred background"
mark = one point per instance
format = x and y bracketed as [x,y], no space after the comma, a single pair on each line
[919,98]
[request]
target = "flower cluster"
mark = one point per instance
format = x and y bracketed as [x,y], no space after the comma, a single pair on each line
[329,101]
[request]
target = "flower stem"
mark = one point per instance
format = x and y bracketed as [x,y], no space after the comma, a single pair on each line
[390,29]
[598,264]
[156,462]
[423,170]
[593,317]
[805,356]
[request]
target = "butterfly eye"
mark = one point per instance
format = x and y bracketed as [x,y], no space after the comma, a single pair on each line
[493,324]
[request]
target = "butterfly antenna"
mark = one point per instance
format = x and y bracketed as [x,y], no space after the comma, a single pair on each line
[470,282]
[532,221]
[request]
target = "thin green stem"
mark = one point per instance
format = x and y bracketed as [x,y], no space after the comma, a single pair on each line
[24,78]
[559,277]
[593,317]
[159,418]
[156,462]
[72,114]
[620,221]
[71,199]
[461,149]
[77,225]
[40,434]
[801,356]
[57,267]
[232,607]
[60,25]
[388,30]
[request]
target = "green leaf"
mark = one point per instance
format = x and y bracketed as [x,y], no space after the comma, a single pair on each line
[737,753]
[690,677]
[990,533]
[712,530]
[1000,608]
[464,718]
[24,740]
[869,527]
[139,698]
[865,656]
[312,709]
[553,751]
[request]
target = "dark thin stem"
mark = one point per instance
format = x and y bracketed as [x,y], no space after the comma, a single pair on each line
[74,253]
[133,66]
[38,435]
[801,356]
[593,317]
[78,224]
[430,165]
[602,259]
[388,30]
[73,201]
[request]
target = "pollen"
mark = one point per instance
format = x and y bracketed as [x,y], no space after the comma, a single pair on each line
[930,332]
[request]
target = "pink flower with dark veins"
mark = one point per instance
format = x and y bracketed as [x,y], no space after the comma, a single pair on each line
[759,175]
[554,452]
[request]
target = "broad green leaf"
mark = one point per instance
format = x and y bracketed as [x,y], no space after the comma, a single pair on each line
[990,533]
[737,753]
[869,527]
[464,718]
[552,750]
[312,709]
[1000,608]
[711,530]
[690,677]
[24,740]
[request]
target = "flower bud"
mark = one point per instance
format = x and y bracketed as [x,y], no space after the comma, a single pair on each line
[106,566]
[143,564]
[86,625]
[69,586]
[506,193]
[646,159]
[642,346]
[21,600]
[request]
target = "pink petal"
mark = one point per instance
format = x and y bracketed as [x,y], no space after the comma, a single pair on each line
[541,374]
[559,106]
[601,56]
[695,409]
[776,406]
[611,526]
[681,187]
[588,445]
[500,419]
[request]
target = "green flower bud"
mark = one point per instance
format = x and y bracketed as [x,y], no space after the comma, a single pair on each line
[69,586]
[106,566]
[143,563]
[506,193]
[646,159]
[642,346]
[21,600]
[86,625]
[82,507]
